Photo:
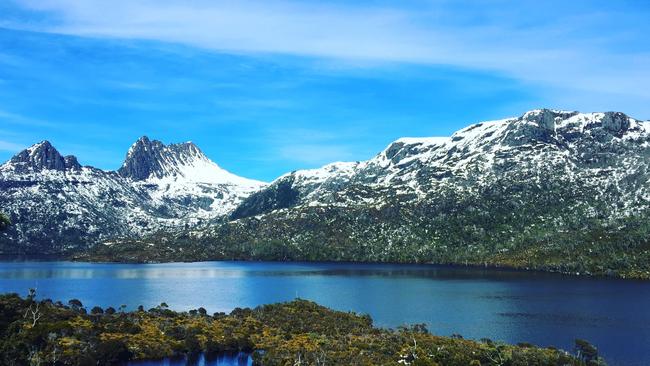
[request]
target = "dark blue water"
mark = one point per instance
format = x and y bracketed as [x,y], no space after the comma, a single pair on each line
[512,306]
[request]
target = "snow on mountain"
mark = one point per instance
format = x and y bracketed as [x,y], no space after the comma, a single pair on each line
[424,198]
[549,190]
[39,157]
[474,156]
[56,203]
[148,159]
[181,175]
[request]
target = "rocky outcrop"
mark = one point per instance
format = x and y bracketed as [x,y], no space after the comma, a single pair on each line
[42,156]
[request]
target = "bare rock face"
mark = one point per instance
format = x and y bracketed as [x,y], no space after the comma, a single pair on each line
[42,156]
[281,195]
[143,159]
[615,122]
[152,159]
[71,163]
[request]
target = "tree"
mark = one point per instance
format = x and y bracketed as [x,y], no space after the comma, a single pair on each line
[75,304]
[588,353]
[33,313]
[585,350]
[5,222]
[192,344]
[113,352]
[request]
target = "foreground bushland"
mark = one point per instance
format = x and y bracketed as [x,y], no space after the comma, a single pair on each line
[42,332]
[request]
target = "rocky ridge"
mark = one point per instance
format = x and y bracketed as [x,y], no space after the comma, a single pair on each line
[551,189]
[58,205]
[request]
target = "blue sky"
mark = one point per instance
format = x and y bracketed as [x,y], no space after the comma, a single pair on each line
[266,87]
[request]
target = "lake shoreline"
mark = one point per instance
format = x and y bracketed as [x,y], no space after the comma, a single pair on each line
[511,306]
[85,258]
[296,331]
[644,277]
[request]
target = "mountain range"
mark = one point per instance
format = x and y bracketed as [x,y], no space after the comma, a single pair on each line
[58,206]
[553,190]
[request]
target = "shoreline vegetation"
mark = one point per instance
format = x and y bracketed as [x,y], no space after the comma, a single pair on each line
[131,256]
[299,332]
[86,258]
[150,252]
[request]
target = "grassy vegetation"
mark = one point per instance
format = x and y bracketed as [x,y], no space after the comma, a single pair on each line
[34,332]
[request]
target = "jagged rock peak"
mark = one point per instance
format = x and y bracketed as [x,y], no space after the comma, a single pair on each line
[42,156]
[152,159]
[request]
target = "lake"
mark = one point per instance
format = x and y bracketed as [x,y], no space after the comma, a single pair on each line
[512,306]
[239,359]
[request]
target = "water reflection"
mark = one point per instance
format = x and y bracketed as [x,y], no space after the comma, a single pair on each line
[238,359]
[35,270]
[512,306]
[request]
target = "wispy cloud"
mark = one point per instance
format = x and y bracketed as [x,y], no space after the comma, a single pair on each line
[274,85]
[10,146]
[557,45]
[19,119]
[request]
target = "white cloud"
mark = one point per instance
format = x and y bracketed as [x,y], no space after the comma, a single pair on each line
[579,51]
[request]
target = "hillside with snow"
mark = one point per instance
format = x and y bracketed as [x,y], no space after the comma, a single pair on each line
[550,189]
[58,205]
[575,148]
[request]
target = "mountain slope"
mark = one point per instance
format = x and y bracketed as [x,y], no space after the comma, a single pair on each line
[181,177]
[57,205]
[576,148]
[550,189]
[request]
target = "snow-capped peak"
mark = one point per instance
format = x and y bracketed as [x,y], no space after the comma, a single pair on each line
[414,164]
[151,159]
[159,187]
